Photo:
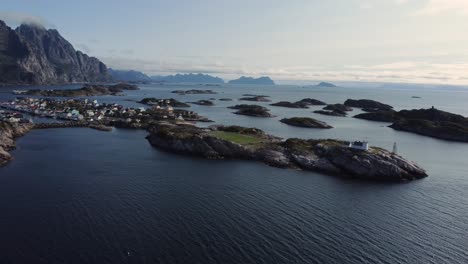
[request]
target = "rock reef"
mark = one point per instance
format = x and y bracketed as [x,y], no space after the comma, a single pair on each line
[325,156]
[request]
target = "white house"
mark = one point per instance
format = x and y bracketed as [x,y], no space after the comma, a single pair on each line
[360,145]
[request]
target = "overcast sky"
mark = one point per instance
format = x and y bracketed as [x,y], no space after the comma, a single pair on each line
[374,40]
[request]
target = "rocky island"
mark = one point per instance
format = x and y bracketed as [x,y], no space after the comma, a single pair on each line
[257,98]
[306,122]
[428,122]
[331,113]
[251,110]
[325,156]
[193,91]
[368,105]
[87,90]
[304,103]
[338,107]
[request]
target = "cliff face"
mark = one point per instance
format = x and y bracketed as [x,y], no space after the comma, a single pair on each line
[32,54]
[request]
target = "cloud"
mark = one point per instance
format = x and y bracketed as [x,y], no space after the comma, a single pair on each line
[14,18]
[434,7]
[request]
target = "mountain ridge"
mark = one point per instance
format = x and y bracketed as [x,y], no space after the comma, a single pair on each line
[34,55]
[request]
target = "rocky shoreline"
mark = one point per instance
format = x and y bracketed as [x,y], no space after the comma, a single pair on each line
[8,133]
[325,156]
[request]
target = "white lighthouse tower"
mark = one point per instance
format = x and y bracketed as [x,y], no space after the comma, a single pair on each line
[395,148]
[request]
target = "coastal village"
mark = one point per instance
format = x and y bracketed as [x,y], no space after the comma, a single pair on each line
[92,111]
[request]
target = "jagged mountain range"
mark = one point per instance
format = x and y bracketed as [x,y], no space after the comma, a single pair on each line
[32,54]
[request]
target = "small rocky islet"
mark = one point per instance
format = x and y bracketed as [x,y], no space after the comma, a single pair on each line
[258,98]
[304,103]
[306,122]
[251,110]
[193,91]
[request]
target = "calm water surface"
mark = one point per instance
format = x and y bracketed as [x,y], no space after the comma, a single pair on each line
[86,196]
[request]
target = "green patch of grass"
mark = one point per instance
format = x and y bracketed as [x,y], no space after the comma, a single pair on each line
[237,138]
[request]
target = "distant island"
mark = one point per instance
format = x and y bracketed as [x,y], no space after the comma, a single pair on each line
[87,90]
[249,80]
[129,76]
[326,84]
[34,55]
[188,78]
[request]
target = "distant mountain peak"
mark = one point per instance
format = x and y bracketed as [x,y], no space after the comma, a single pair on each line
[326,84]
[264,80]
[189,78]
[32,54]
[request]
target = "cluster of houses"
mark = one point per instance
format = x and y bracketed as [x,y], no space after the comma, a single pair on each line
[13,117]
[92,110]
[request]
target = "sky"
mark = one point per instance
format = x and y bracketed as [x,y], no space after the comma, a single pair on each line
[415,41]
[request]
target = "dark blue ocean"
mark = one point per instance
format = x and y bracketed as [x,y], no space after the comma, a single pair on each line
[85,196]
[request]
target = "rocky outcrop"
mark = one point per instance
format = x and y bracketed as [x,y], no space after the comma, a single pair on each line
[251,110]
[338,107]
[290,104]
[428,122]
[305,122]
[368,105]
[193,91]
[32,54]
[8,133]
[304,103]
[87,90]
[311,101]
[326,156]
[380,116]
[331,113]
[255,99]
